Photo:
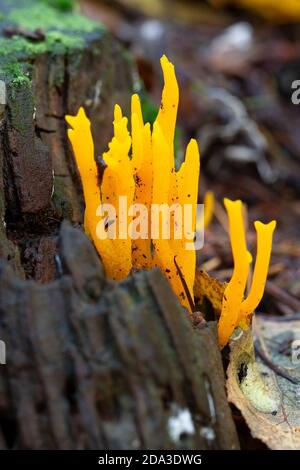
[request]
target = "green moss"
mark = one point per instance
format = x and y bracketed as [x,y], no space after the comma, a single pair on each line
[20,80]
[21,110]
[14,50]
[64,5]
[13,70]
[61,205]
[55,43]
[64,32]
[48,18]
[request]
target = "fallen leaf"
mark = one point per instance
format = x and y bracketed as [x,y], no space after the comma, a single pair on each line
[266,388]
[210,288]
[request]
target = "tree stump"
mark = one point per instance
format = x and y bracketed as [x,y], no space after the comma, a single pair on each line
[91,364]
[51,63]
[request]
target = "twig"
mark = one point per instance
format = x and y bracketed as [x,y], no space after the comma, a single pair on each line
[280,319]
[282,296]
[274,367]
[185,287]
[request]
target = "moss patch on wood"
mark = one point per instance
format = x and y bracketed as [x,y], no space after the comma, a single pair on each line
[64,31]
[48,18]
[63,5]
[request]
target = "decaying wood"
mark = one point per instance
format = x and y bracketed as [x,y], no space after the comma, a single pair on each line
[97,365]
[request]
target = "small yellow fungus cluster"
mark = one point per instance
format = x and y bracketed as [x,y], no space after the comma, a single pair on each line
[209,206]
[147,177]
[235,309]
[275,10]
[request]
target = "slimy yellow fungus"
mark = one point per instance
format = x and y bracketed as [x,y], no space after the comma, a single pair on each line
[263,255]
[140,166]
[118,181]
[140,174]
[165,250]
[187,187]
[275,10]
[234,291]
[209,206]
[143,174]
[137,128]
[167,115]
[82,142]
[234,308]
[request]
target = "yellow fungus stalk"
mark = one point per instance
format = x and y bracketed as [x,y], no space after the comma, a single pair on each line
[264,248]
[83,147]
[234,292]
[209,206]
[235,309]
[167,115]
[143,174]
[275,10]
[118,181]
[164,252]
[187,187]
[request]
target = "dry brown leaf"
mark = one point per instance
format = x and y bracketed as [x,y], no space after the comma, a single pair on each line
[212,289]
[267,391]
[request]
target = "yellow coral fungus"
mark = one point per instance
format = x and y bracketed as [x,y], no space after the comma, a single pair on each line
[275,10]
[234,308]
[83,146]
[264,247]
[140,174]
[146,179]
[143,173]
[209,206]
